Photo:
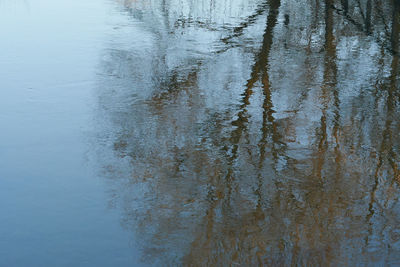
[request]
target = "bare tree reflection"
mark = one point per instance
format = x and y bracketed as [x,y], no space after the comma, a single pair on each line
[244,133]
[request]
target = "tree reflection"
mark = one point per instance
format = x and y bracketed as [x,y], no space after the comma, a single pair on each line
[246,133]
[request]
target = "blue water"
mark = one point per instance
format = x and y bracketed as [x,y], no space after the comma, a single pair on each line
[54,209]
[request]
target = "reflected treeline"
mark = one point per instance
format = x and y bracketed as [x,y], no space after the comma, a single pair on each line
[255,132]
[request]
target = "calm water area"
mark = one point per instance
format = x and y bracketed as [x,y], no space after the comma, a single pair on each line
[199,133]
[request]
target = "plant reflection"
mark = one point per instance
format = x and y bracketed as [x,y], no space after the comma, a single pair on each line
[257,133]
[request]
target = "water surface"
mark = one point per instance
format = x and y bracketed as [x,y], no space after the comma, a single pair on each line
[200,133]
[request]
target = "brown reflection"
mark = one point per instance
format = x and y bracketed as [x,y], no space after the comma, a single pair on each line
[388,159]
[206,249]
[287,156]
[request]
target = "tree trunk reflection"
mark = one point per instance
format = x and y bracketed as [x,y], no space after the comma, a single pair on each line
[257,133]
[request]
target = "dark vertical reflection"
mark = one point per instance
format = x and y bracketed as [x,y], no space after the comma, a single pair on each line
[345,5]
[387,156]
[368,16]
[205,250]
[395,27]
[245,134]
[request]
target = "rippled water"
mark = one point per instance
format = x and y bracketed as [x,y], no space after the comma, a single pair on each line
[199,133]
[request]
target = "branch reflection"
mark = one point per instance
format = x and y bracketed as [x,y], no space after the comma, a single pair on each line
[279,150]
